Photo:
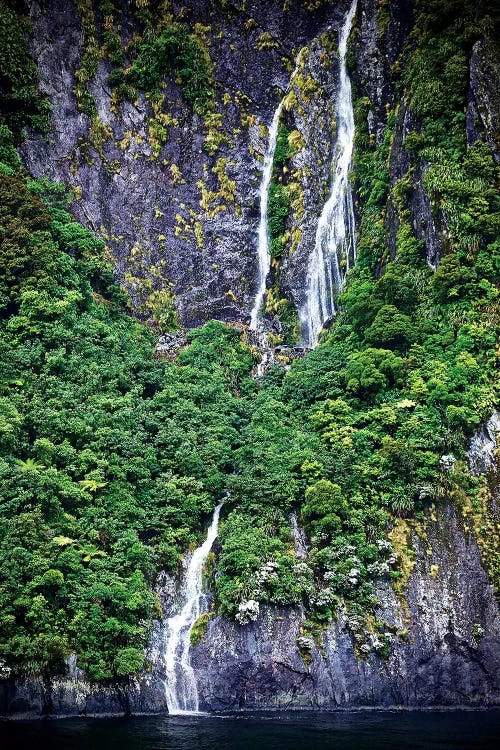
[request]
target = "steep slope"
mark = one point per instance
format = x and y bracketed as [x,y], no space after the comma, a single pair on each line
[358,553]
[172,191]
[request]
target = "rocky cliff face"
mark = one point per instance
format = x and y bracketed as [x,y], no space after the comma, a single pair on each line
[444,649]
[483,109]
[448,654]
[181,209]
[174,197]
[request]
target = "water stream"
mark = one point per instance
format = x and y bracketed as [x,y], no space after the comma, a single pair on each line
[181,691]
[335,234]
[264,256]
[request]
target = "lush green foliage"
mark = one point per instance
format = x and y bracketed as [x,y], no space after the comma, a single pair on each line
[177,51]
[278,210]
[279,202]
[20,102]
[161,48]
[112,460]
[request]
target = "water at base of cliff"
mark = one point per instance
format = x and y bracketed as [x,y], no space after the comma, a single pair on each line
[363,730]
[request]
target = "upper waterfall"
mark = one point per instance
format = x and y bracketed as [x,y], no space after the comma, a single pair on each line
[181,691]
[263,234]
[335,234]
[264,256]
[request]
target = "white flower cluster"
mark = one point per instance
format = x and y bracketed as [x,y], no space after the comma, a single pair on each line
[343,555]
[304,578]
[382,567]
[353,576]
[447,462]
[426,492]
[384,545]
[323,597]
[364,639]
[248,612]
[355,623]
[320,536]
[266,573]
[346,550]
[378,568]
[302,570]
[368,642]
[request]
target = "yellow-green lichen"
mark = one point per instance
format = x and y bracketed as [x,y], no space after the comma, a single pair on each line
[400,538]
[266,41]
[176,174]
[199,628]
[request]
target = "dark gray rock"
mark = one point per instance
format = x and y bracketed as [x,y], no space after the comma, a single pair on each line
[425,222]
[377,44]
[449,655]
[170,344]
[483,109]
[482,453]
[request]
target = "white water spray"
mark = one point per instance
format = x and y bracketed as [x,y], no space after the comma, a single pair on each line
[181,691]
[264,255]
[335,235]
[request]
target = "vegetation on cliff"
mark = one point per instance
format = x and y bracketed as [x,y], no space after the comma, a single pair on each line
[113,459]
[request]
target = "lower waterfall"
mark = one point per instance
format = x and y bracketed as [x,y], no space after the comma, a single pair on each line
[181,691]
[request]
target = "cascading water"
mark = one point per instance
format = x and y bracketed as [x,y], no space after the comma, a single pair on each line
[181,691]
[263,234]
[264,256]
[335,235]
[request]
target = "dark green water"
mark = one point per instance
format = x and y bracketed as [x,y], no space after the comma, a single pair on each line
[454,730]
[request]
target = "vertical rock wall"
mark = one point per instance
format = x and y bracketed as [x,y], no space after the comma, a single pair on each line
[179,210]
[445,650]
[178,207]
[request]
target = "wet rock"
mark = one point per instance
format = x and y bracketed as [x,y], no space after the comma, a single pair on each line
[483,108]
[423,219]
[482,453]
[170,344]
[447,653]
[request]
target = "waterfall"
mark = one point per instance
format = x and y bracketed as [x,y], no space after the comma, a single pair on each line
[181,691]
[263,234]
[335,235]
[264,256]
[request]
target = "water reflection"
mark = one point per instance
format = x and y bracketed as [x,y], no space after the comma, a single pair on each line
[454,730]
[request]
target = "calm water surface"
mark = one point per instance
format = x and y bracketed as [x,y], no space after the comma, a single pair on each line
[454,730]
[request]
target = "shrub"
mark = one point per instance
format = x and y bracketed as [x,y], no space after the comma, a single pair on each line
[390,328]
[175,50]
